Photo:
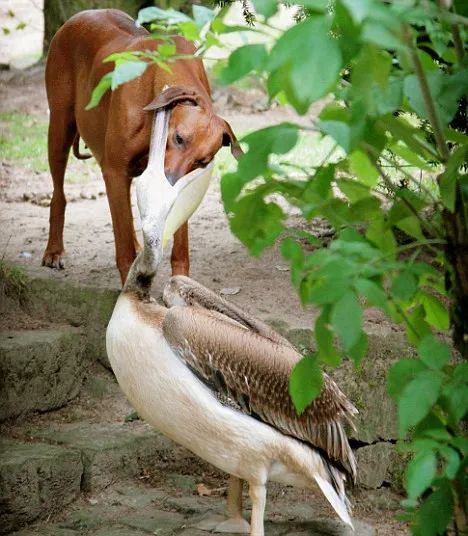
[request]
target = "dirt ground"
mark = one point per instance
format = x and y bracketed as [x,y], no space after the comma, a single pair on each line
[218,260]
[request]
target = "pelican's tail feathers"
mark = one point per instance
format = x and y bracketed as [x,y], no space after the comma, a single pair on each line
[339,502]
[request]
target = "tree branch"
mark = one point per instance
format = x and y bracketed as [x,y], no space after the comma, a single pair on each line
[427,97]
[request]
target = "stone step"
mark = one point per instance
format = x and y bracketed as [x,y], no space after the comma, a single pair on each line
[109,452]
[40,369]
[36,480]
[39,477]
[135,509]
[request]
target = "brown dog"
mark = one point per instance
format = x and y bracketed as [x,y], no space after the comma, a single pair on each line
[118,131]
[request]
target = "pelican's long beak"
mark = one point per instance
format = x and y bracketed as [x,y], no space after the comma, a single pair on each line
[189,192]
[165,207]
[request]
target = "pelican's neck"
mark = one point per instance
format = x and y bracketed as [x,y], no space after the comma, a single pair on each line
[154,197]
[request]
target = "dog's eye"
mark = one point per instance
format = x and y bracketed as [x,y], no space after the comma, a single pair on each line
[179,140]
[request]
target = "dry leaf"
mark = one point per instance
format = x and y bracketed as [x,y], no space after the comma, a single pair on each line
[230,291]
[203,490]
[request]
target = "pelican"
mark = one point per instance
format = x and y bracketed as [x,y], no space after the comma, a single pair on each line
[213,378]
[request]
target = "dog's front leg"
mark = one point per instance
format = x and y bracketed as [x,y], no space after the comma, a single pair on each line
[180,252]
[118,193]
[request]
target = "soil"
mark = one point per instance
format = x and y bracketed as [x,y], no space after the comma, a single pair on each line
[218,260]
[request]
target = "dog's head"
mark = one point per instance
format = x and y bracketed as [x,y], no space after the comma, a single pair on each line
[196,133]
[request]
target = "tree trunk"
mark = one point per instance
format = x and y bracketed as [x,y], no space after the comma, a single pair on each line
[56,12]
[457,253]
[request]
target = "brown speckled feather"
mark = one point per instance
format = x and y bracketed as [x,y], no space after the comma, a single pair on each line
[191,292]
[254,371]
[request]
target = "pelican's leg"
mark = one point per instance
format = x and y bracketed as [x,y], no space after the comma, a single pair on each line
[235,523]
[258,496]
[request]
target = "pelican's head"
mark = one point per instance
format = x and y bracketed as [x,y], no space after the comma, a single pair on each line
[163,206]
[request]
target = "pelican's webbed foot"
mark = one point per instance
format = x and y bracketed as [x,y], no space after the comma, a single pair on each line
[218,523]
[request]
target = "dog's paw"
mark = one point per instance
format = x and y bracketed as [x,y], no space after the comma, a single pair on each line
[53,260]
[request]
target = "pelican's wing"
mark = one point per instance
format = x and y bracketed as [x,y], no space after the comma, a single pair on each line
[254,372]
[183,290]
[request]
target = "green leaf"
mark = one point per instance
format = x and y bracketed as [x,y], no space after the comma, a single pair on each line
[98,92]
[420,473]
[379,233]
[167,49]
[446,90]
[417,327]
[231,187]
[278,139]
[242,61]
[380,35]
[413,137]
[124,72]
[358,9]
[374,293]
[363,168]
[267,8]
[189,30]
[150,14]
[359,350]
[346,319]
[435,513]
[436,313]
[405,285]
[265,222]
[401,373]
[448,179]
[305,383]
[339,131]
[316,5]
[461,443]
[353,189]
[324,337]
[305,78]
[411,226]
[460,373]
[291,250]
[434,353]
[452,459]
[456,397]
[417,399]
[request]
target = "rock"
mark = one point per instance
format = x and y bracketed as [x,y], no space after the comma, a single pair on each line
[40,369]
[110,452]
[46,531]
[379,464]
[120,531]
[366,387]
[154,521]
[36,480]
[86,307]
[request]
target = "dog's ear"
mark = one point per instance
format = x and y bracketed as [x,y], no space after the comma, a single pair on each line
[174,95]
[229,138]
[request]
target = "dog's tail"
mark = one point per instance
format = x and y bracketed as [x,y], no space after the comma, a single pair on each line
[76,148]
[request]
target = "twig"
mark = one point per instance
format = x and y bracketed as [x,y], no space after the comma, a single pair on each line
[427,97]
[429,227]
[457,42]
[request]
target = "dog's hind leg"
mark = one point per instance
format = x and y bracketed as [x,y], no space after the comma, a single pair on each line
[62,131]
